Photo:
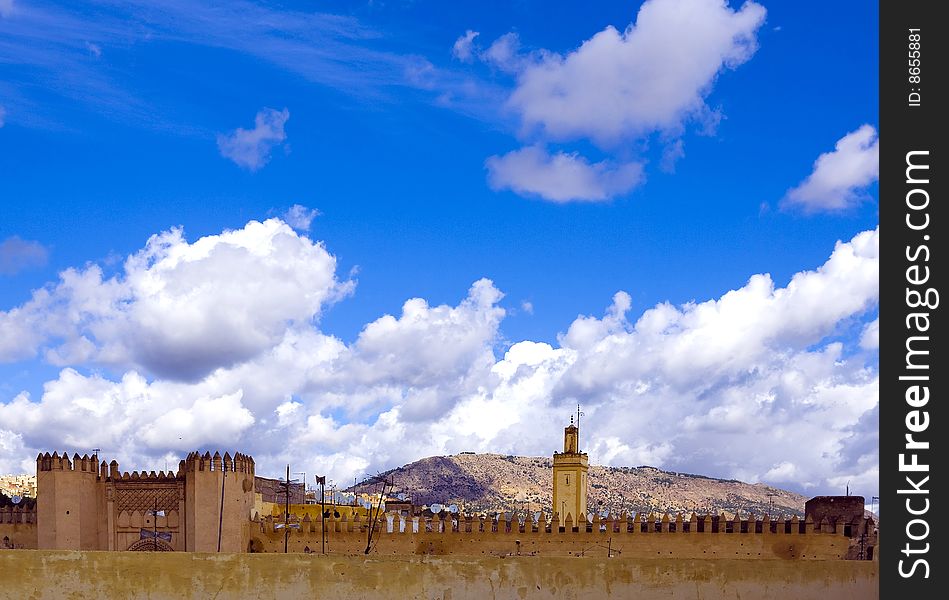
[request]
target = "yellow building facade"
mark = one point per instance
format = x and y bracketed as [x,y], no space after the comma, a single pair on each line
[570,477]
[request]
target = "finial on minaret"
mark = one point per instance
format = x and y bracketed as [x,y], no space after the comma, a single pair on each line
[578,425]
[571,419]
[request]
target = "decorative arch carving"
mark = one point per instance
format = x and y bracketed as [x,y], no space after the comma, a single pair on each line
[150,545]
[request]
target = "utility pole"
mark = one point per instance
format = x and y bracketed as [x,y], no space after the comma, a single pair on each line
[220,517]
[286,485]
[154,534]
[286,517]
[322,481]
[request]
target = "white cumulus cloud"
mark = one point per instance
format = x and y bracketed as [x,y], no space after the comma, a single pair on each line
[756,384]
[250,148]
[560,177]
[617,87]
[652,76]
[840,177]
[870,338]
[180,310]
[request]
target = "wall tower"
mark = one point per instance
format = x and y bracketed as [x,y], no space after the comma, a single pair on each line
[219,495]
[68,498]
[570,477]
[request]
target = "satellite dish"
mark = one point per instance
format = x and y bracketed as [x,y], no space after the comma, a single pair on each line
[453,508]
[436,508]
[16,499]
[401,496]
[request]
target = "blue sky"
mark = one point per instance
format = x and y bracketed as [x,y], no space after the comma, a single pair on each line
[695,145]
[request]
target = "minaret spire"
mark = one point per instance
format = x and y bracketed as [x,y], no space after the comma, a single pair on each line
[578,425]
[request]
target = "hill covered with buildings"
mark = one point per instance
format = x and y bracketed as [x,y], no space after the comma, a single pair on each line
[491,482]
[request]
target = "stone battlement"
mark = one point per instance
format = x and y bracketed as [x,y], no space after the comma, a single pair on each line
[55,462]
[241,463]
[652,535]
[624,524]
[17,514]
[143,476]
[195,461]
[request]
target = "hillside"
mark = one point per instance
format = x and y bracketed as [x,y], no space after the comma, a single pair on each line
[490,482]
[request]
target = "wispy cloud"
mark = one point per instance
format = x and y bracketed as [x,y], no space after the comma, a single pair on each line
[462,50]
[250,148]
[94,49]
[18,254]
[57,48]
[300,217]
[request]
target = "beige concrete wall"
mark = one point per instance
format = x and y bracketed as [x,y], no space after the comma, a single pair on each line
[20,535]
[49,575]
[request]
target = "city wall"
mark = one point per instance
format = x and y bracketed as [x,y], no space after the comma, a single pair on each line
[17,527]
[642,536]
[645,536]
[55,575]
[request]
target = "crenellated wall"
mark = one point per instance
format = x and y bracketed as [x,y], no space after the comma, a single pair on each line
[83,504]
[207,506]
[642,536]
[17,527]
[68,502]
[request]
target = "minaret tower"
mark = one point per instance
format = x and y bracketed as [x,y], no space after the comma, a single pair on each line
[570,477]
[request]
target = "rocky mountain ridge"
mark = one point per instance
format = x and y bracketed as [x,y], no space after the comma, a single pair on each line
[496,482]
